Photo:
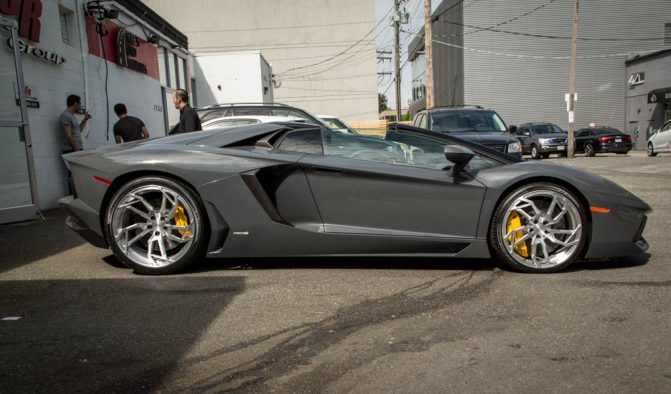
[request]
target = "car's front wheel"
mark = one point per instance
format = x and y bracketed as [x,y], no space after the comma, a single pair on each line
[651,150]
[156,225]
[535,153]
[540,227]
[589,150]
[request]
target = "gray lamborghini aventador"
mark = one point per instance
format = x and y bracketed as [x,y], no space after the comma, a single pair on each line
[296,189]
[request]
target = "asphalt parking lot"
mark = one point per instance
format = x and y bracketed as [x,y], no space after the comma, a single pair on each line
[74,320]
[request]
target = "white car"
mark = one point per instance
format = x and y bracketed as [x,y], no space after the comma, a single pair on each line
[661,140]
[233,121]
[337,124]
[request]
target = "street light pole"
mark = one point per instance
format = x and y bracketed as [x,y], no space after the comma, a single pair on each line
[397,57]
[427,53]
[570,143]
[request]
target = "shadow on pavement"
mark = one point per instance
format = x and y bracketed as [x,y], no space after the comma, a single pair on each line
[110,335]
[26,242]
[610,263]
[364,263]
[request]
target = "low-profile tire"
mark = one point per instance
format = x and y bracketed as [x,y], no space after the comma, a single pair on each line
[535,153]
[651,150]
[538,228]
[156,225]
[589,150]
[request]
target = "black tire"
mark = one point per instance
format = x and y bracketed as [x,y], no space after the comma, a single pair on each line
[535,153]
[589,150]
[496,234]
[651,150]
[192,249]
[545,155]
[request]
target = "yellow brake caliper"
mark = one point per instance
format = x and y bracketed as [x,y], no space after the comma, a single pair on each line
[514,221]
[181,220]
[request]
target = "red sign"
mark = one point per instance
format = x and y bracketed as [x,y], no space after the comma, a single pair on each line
[29,12]
[143,56]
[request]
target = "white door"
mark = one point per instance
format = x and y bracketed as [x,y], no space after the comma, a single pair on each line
[663,138]
[18,194]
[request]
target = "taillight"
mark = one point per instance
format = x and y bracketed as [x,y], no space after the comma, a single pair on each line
[626,137]
[604,139]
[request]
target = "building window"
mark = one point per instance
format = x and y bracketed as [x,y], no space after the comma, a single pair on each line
[162,63]
[173,81]
[667,34]
[66,24]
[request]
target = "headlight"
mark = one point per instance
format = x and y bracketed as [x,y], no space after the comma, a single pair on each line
[514,147]
[545,141]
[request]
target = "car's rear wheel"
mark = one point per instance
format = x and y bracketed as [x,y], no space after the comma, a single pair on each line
[540,227]
[535,153]
[589,150]
[156,225]
[545,155]
[651,150]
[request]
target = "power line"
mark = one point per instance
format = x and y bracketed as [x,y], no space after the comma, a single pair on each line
[326,99]
[521,56]
[328,95]
[324,90]
[434,17]
[277,28]
[327,78]
[340,53]
[284,46]
[346,61]
[540,7]
[481,29]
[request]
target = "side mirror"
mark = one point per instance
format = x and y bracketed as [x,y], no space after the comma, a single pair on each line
[460,156]
[512,128]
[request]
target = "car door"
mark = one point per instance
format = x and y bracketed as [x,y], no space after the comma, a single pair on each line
[389,193]
[581,136]
[524,136]
[662,140]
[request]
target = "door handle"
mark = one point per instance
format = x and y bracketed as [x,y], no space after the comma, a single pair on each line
[327,171]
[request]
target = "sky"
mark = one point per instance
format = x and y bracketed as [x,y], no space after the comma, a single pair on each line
[385,41]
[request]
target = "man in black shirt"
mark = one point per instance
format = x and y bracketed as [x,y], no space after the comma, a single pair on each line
[188,118]
[128,128]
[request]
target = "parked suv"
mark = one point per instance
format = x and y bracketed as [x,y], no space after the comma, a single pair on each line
[472,123]
[541,139]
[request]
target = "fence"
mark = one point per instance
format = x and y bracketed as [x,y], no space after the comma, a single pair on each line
[371,127]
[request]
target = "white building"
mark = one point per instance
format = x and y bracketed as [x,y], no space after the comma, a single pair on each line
[322,52]
[232,77]
[122,52]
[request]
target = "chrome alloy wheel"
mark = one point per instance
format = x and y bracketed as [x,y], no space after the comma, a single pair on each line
[541,229]
[153,226]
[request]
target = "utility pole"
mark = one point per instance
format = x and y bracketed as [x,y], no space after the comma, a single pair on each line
[570,146]
[397,56]
[427,53]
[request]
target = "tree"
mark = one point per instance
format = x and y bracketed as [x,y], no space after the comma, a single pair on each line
[381,102]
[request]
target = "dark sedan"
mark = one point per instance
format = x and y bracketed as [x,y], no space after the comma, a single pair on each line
[602,140]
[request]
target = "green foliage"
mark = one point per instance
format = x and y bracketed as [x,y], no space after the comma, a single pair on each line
[381,102]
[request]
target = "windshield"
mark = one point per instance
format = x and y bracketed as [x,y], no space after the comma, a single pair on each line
[206,114]
[547,129]
[461,121]
[334,123]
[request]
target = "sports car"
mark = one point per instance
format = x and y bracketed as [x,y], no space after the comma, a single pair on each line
[297,189]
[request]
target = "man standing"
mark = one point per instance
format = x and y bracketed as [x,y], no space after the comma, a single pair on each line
[128,128]
[72,136]
[188,118]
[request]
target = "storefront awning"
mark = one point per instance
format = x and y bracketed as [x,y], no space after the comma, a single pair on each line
[659,96]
